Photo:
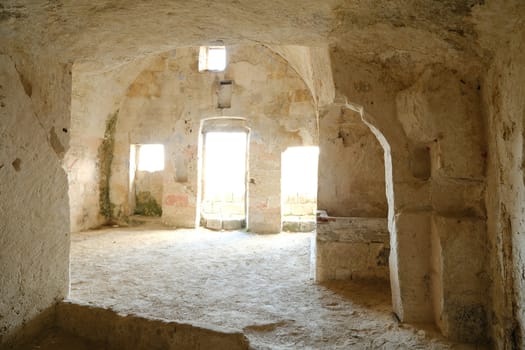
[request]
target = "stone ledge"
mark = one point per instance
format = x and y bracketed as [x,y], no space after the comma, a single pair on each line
[353,230]
[133,332]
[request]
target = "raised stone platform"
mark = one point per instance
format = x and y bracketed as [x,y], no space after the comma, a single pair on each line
[218,223]
[352,248]
[119,331]
[298,223]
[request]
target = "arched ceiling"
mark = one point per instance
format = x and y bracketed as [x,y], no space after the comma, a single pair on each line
[400,34]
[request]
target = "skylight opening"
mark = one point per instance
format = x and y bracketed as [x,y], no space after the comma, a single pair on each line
[212,58]
[151,157]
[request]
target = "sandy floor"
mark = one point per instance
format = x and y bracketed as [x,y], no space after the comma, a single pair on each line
[256,283]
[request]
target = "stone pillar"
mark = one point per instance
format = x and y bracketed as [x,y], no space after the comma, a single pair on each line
[264,188]
[440,112]
[409,226]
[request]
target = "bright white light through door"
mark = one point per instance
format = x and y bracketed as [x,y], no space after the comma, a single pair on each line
[151,157]
[224,169]
[299,181]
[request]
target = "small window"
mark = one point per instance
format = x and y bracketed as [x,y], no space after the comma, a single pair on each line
[212,58]
[151,158]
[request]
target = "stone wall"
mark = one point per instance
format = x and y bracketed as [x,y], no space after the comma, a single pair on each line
[442,117]
[351,188]
[369,89]
[432,133]
[148,193]
[352,248]
[96,95]
[34,229]
[351,166]
[503,91]
[170,98]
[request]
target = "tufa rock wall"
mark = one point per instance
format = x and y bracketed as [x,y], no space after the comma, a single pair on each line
[34,229]
[351,166]
[503,91]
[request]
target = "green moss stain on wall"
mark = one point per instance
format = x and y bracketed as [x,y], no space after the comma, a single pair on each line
[147,205]
[105,158]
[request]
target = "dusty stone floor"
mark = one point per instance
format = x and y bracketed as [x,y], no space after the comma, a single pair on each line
[235,280]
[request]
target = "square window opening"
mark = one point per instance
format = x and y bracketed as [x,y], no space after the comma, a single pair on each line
[151,157]
[212,58]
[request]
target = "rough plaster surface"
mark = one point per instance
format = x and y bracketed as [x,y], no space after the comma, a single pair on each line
[94,97]
[34,229]
[313,65]
[443,127]
[256,284]
[376,92]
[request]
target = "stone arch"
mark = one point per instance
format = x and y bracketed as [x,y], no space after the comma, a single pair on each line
[267,92]
[435,194]
[354,242]
[409,208]
[408,267]
[408,263]
[97,94]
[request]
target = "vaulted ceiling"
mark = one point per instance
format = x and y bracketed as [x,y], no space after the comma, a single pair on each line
[400,34]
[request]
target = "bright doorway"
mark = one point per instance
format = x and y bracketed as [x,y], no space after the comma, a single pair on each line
[299,188]
[223,204]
